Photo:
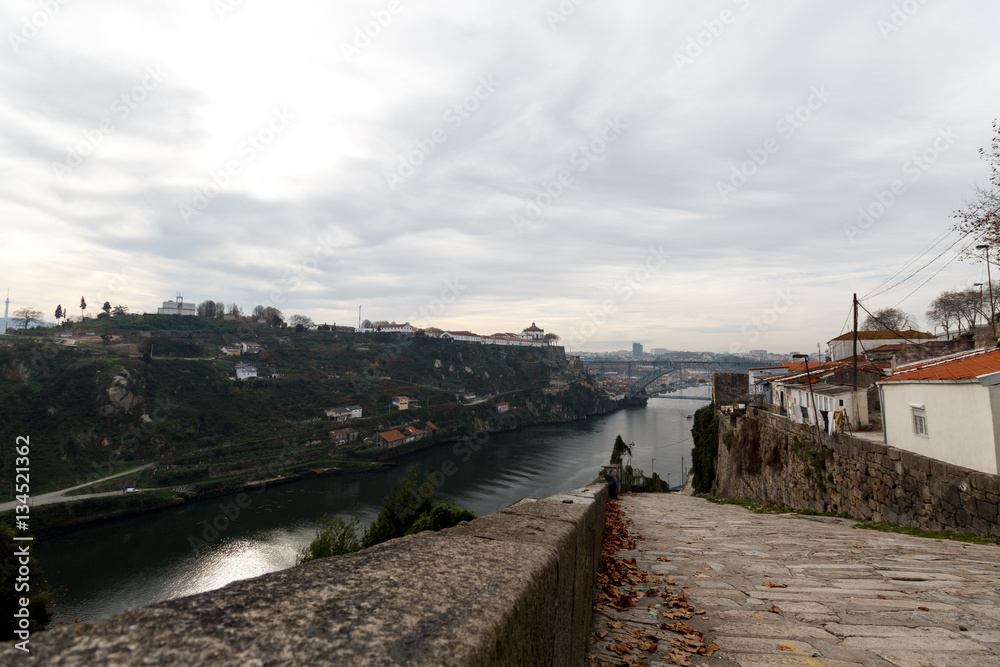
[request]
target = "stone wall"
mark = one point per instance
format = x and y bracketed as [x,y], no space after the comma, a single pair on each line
[730,388]
[773,459]
[511,588]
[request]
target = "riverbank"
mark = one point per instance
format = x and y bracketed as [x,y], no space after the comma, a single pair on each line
[55,520]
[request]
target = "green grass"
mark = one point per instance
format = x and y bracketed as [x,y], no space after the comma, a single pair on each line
[759,507]
[886,527]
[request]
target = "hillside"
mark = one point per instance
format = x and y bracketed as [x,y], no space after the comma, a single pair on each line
[144,393]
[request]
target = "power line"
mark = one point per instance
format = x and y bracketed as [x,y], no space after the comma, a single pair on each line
[943,266]
[924,266]
[915,258]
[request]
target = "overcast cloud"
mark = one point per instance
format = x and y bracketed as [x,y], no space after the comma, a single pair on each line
[566,163]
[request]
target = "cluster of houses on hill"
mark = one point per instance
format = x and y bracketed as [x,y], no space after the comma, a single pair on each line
[937,398]
[396,437]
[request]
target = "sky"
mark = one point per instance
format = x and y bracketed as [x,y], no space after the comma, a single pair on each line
[715,176]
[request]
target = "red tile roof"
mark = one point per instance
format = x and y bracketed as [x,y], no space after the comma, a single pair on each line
[392,436]
[962,366]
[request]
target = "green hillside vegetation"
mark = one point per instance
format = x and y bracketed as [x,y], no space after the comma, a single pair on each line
[160,395]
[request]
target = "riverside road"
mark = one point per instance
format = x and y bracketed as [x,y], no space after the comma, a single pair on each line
[791,591]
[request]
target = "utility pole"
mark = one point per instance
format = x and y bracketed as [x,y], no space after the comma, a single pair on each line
[854,398]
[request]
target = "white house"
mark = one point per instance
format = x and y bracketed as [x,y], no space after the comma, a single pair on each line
[338,414]
[355,411]
[946,408]
[245,372]
[842,347]
[791,394]
[251,348]
[466,336]
[177,307]
[401,402]
[533,333]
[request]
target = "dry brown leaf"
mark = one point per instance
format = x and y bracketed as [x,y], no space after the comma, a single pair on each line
[679,658]
[880,597]
[771,584]
[619,648]
[664,559]
[785,647]
[601,634]
[699,575]
[773,609]
[615,624]
[924,608]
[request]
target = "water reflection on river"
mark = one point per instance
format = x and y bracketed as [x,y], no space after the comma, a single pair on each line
[131,562]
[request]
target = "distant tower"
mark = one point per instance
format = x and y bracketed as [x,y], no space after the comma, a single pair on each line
[6,308]
[180,298]
[636,349]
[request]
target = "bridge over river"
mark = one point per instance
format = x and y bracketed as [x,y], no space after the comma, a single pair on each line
[644,372]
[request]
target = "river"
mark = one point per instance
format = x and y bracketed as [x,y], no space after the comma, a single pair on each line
[108,568]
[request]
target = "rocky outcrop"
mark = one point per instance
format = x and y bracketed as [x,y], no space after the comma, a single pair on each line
[122,397]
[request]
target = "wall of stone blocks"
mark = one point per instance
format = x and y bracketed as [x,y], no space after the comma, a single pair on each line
[798,467]
[512,588]
[730,388]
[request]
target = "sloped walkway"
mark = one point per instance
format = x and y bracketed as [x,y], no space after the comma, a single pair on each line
[842,597]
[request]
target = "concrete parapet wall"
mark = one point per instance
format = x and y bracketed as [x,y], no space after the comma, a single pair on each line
[511,588]
[773,459]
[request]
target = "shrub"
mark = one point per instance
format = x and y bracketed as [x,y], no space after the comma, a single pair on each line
[335,537]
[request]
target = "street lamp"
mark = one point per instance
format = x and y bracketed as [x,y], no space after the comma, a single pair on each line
[980,286]
[989,279]
[805,357]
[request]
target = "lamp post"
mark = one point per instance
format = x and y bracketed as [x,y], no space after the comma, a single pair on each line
[805,357]
[980,286]
[989,279]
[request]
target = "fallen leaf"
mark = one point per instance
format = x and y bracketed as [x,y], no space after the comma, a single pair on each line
[773,609]
[699,575]
[771,584]
[601,634]
[881,597]
[923,608]
[619,648]
[679,658]
[785,647]
[858,546]
[664,559]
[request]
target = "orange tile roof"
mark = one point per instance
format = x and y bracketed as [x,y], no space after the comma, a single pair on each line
[392,436]
[963,366]
[885,334]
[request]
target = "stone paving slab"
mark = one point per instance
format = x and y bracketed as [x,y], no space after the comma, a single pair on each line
[842,597]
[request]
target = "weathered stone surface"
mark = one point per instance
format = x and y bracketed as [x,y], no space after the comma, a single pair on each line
[941,606]
[499,590]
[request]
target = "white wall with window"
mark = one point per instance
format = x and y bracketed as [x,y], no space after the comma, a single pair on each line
[957,421]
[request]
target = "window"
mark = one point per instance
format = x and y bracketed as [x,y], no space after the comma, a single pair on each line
[919,421]
[841,402]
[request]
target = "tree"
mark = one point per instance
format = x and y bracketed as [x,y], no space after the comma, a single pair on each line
[334,537]
[551,338]
[367,324]
[119,311]
[25,316]
[235,310]
[258,311]
[83,307]
[620,450]
[59,313]
[106,307]
[206,309]
[301,319]
[893,319]
[980,216]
